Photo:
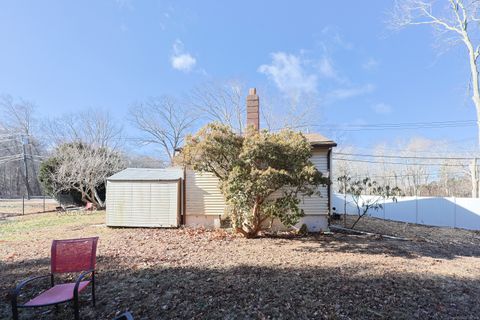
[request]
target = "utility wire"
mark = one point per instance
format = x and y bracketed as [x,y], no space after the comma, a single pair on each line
[410,175]
[394,126]
[401,163]
[402,157]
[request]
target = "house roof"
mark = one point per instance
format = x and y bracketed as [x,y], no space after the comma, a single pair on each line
[147,174]
[318,140]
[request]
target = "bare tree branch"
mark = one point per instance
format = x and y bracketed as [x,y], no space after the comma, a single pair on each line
[221,102]
[163,121]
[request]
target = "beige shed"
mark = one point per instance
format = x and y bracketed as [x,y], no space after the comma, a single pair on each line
[139,197]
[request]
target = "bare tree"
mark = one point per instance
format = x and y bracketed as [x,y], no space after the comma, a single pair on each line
[456,21]
[280,112]
[80,167]
[164,122]
[20,151]
[221,102]
[144,161]
[93,127]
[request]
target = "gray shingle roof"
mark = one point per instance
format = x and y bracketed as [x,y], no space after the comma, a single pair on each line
[147,174]
[316,139]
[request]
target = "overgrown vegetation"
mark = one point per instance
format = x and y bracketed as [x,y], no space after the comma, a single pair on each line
[78,168]
[366,194]
[263,175]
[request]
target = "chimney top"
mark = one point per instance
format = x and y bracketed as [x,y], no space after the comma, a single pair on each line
[253,106]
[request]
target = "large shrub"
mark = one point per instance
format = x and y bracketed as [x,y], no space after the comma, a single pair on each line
[263,175]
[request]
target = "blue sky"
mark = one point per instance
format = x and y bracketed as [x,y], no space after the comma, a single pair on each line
[72,55]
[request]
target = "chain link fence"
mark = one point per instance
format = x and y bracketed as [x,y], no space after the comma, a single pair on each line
[22,206]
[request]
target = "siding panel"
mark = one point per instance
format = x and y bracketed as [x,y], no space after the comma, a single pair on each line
[318,205]
[203,197]
[142,203]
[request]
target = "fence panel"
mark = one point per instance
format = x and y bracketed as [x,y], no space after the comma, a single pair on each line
[21,206]
[433,211]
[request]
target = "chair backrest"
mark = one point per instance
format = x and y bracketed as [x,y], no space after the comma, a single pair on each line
[74,255]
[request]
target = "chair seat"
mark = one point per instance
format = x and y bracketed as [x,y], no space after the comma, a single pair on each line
[56,294]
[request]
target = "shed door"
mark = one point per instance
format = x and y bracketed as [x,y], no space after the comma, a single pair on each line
[142,203]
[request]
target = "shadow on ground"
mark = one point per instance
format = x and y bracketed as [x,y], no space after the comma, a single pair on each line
[252,292]
[380,246]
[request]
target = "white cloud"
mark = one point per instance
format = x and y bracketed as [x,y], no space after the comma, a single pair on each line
[382,108]
[183,62]
[370,64]
[180,59]
[288,73]
[326,68]
[347,93]
[333,35]
[124,4]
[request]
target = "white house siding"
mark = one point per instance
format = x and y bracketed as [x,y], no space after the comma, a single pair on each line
[204,201]
[316,208]
[318,205]
[142,203]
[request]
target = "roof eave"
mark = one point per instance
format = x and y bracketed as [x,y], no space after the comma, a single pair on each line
[323,144]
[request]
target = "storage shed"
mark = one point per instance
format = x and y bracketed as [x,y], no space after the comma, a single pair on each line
[140,197]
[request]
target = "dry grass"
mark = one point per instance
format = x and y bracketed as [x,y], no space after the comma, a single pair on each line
[13,207]
[194,273]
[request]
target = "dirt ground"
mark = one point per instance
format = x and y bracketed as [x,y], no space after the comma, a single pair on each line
[198,274]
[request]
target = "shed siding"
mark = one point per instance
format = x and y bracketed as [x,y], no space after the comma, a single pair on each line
[203,197]
[142,203]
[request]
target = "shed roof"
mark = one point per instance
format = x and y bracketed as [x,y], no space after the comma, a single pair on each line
[147,174]
[318,140]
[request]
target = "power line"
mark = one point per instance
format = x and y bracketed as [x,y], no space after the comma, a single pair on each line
[394,126]
[400,163]
[8,140]
[410,175]
[402,157]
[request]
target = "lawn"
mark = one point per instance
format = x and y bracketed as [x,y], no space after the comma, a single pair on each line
[199,274]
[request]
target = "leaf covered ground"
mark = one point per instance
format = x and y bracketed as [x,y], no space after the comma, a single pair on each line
[199,274]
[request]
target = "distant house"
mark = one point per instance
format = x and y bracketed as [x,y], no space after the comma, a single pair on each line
[171,197]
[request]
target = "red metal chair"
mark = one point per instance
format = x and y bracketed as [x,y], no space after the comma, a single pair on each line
[74,255]
[89,206]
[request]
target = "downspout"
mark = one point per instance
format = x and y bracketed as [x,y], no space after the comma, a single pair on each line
[329,192]
[179,201]
[184,197]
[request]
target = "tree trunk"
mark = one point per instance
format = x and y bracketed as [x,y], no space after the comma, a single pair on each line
[474,177]
[473,55]
[101,204]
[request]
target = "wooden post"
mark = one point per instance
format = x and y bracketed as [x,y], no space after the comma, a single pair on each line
[23,205]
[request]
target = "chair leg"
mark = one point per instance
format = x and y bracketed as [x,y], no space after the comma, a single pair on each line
[14,308]
[75,309]
[93,288]
[14,312]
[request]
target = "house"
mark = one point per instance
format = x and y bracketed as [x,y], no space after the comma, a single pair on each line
[173,196]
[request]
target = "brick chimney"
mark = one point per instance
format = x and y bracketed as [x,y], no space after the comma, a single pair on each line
[253,109]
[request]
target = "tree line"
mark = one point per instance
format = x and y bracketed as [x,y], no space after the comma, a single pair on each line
[72,144]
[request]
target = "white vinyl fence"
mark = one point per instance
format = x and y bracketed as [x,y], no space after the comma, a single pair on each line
[433,211]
